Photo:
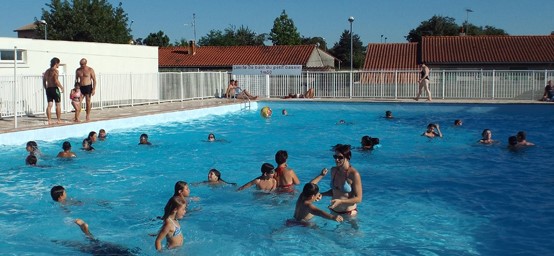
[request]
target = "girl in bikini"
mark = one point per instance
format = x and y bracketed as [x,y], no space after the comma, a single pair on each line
[286,178]
[76,99]
[346,184]
[171,229]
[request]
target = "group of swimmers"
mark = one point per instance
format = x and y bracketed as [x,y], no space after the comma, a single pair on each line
[345,190]
[433,130]
[346,193]
[34,152]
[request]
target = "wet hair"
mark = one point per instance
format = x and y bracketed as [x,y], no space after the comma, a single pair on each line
[512,140]
[54,61]
[33,145]
[457,122]
[179,185]
[375,141]
[367,141]
[89,143]
[267,167]
[521,135]
[216,173]
[210,135]
[102,131]
[90,135]
[344,149]
[485,131]
[144,135]
[281,157]
[388,113]
[431,125]
[31,160]
[56,192]
[66,145]
[310,189]
[173,204]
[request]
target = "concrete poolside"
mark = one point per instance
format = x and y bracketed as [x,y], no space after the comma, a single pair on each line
[39,122]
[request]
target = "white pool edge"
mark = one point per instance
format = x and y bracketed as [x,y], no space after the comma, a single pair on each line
[82,129]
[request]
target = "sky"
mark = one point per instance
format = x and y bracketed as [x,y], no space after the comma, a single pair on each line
[392,19]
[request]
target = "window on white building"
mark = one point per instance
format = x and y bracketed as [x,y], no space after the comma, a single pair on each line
[7,56]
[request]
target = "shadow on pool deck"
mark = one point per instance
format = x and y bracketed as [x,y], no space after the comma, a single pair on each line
[39,122]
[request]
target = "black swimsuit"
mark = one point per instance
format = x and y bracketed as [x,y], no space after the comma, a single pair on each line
[423,76]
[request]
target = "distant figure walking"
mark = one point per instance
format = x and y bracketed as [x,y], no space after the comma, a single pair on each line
[424,82]
[53,86]
[86,78]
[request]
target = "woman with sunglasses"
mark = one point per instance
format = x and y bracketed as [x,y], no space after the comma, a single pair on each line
[346,184]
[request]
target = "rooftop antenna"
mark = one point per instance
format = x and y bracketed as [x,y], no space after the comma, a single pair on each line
[193,25]
[467,18]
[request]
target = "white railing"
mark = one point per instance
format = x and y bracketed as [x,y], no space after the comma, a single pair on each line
[116,90]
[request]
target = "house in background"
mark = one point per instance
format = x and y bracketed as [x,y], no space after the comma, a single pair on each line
[488,52]
[222,58]
[465,53]
[28,31]
[394,63]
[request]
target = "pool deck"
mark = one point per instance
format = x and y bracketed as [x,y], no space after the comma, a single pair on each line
[39,122]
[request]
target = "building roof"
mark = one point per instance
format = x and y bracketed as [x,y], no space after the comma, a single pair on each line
[391,56]
[227,56]
[487,49]
[30,26]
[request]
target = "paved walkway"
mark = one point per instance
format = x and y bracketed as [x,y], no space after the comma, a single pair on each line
[39,122]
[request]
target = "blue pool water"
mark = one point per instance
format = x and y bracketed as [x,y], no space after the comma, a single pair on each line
[422,196]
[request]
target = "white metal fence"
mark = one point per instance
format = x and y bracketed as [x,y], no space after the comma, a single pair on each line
[115,90]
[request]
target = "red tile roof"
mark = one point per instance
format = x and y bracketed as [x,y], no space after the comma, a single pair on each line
[227,56]
[391,56]
[487,49]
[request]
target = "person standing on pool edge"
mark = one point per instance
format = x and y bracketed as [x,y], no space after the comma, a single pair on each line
[53,86]
[86,78]
[424,82]
[346,183]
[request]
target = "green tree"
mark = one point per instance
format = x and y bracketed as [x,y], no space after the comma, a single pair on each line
[183,42]
[232,37]
[319,41]
[341,50]
[436,26]
[156,39]
[245,36]
[284,32]
[86,20]
[490,30]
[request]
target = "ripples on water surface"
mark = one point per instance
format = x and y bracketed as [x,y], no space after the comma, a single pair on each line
[445,196]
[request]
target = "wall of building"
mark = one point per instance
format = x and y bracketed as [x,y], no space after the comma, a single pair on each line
[104,58]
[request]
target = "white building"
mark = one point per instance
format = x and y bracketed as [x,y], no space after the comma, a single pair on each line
[34,55]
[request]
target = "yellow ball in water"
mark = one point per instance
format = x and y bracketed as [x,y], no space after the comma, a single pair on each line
[266,112]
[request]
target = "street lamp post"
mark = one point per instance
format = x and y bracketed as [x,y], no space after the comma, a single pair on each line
[351,20]
[43,22]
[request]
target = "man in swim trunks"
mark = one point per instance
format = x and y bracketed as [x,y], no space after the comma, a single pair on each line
[53,86]
[86,78]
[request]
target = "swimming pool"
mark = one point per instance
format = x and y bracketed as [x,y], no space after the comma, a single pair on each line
[422,196]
